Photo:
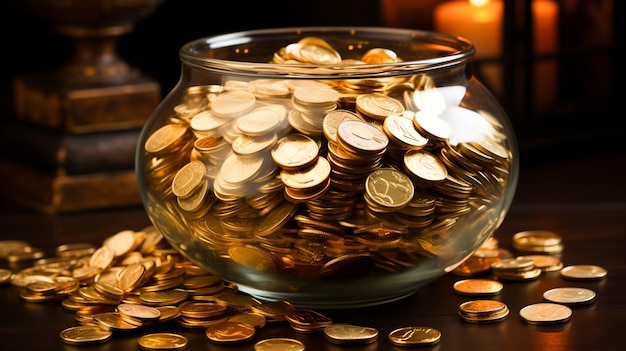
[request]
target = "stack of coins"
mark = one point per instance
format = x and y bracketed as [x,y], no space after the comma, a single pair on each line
[479,263]
[136,280]
[538,241]
[483,311]
[516,269]
[545,262]
[196,314]
[311,104]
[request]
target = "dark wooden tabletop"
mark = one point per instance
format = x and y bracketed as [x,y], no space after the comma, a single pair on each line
[583,199]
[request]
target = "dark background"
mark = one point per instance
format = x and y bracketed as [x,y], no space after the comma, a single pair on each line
[29,44]
[586,113]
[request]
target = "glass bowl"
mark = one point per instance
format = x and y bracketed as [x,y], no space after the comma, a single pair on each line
[331,167]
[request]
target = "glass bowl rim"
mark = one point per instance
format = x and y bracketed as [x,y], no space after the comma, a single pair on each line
[460,49]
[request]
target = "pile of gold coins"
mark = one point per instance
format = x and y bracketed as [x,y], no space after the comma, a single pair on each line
[136,280]
[298,173]
[481,311]
[537,253]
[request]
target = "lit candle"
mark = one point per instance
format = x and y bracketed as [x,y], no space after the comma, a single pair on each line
[480,21]
[546,22]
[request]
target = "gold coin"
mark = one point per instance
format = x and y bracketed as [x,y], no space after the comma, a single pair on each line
[546,263]
[140,312]
[205,124]
[476,287]
[122,242]
[312,96]
[482,307]
[475,266]
[273,309]
[195,201]
[194,309]
[237,169]
[307,319]
[309,177]
[513,264]
[165,138]
[313,53]
[545,313]
[164,297]
[378,106]
[379,55]
[168,313]
[252,257]
[570,296]
[232,103]
[432,126]
[236,301]
[425,166]
[361,136]
[130,276]
[268,88]
[483,311]
[189,178]
[583,272]
[279,344]
[262,120]
[401,131]
[230,332]
[114,321]
[414,336]
[276,218]
[85,334]
[389,188]
[255,319]
[248,145]
[162,341]
[332,120]
[536,238]
[295,151]
[102,258]
[341,333]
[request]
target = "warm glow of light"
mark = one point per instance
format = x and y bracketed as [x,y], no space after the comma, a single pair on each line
[479,3]
[485,11]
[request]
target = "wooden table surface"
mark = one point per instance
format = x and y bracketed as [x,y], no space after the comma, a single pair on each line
[583,199]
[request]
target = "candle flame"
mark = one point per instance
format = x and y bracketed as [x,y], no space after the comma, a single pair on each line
[484,10]
[479,3]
